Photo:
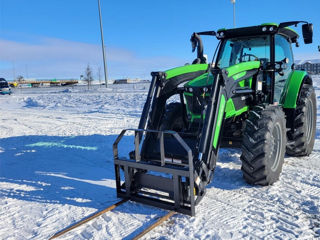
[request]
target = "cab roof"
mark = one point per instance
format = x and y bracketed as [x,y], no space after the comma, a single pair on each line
[263,29]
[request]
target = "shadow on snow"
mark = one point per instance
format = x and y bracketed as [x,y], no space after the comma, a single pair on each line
[65,170]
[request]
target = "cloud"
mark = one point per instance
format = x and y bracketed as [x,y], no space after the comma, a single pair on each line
[58,58]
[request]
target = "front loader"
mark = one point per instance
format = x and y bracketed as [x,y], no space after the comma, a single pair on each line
[251,98]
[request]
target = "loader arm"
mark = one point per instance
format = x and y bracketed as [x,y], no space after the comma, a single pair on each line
[225,86]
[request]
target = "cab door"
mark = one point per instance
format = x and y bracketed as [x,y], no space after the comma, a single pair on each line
[284,59]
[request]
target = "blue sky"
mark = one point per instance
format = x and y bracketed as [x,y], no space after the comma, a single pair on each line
[57,39]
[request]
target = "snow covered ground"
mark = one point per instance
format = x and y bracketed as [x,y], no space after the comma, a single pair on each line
[56,167]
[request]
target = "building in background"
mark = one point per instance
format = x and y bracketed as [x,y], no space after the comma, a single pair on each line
[311,66]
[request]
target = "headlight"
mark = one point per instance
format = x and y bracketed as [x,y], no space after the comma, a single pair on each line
[264,29]
[271,29]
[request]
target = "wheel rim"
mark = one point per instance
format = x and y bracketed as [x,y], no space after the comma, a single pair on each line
[309,121]
[277,142]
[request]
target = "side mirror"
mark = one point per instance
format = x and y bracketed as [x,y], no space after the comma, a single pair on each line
[196,43]
[319,48]
[193,41]
[307,32]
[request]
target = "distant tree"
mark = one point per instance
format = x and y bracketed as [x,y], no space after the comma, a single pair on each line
[20,78]
[99,75]
[88,76]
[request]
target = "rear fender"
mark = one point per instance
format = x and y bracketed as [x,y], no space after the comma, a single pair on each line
[292,88]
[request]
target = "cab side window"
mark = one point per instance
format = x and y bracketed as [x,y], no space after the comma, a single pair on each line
[282,51]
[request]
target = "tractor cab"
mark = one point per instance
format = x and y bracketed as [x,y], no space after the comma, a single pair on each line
[241,49]
[269,44]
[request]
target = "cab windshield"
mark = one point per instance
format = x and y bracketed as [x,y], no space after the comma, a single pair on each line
[245,49]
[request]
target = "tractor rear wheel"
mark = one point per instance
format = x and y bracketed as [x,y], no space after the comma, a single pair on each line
[263,145]
[301,137]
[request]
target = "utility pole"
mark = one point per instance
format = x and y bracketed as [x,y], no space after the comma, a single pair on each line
[103,48]
[234,12]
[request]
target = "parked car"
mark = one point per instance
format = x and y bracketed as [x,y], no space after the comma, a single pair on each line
[4,87]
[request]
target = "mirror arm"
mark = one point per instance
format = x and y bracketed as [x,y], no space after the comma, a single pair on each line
[287,24]
[208,33]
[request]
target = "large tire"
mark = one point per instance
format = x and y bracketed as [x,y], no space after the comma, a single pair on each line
[301,137]
[173,119]
[263,145]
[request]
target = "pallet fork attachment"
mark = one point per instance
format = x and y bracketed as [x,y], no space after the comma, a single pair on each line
[137,181]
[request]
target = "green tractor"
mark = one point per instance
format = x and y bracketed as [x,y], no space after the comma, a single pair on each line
[250,97]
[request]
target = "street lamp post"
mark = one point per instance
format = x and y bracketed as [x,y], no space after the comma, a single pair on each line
[103,48]
[234,12]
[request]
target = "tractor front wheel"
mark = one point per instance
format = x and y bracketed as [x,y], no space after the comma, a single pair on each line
[263,145]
